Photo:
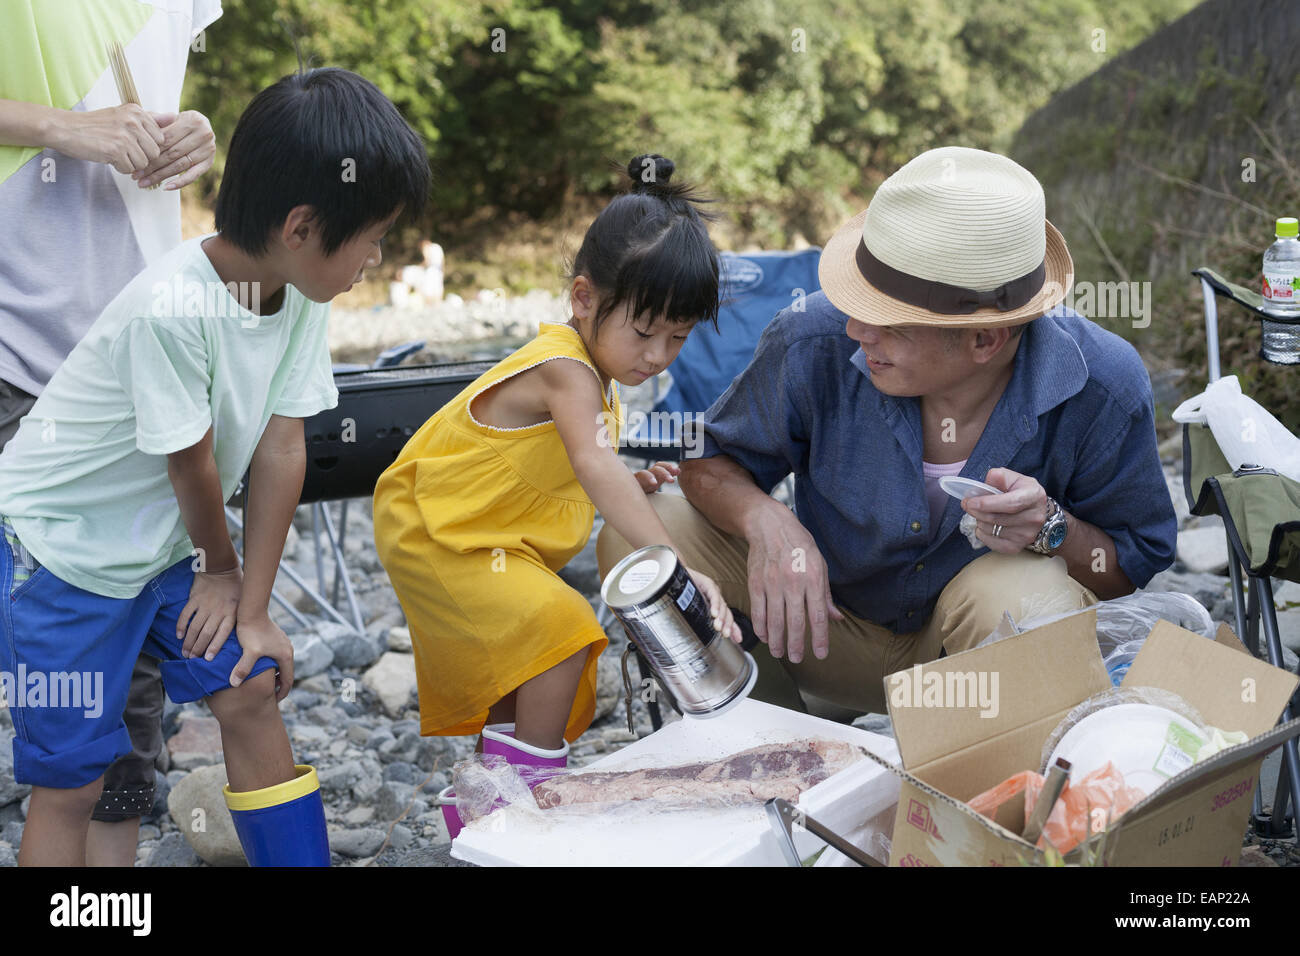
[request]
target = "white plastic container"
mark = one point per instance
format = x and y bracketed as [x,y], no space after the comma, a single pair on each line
[714,837]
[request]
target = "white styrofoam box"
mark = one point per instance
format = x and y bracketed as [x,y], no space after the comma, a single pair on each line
[514,836]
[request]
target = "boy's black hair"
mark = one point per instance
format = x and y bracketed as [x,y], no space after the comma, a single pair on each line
[651,248]
[291,147]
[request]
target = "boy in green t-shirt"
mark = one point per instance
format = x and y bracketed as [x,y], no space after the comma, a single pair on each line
[112,491]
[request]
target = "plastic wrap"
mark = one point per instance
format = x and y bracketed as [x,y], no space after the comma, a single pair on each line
[747,779]
[1155,696]
[967,526]
[484,783]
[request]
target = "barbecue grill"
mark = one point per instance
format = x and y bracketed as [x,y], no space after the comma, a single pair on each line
[350,445]
[348,448]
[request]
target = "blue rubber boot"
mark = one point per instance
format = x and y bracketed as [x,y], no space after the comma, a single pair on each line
[282,825]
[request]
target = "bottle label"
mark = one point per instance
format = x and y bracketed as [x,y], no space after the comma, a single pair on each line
[1281,285]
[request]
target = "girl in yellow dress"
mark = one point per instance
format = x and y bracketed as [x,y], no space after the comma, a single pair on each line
[498,490]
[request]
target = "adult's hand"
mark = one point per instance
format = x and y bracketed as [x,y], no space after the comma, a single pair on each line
[187,151]
[125,137]
[1018,513]
[789,591]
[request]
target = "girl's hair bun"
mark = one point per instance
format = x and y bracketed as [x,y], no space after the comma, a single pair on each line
[650,173]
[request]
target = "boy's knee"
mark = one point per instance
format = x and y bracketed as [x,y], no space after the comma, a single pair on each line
[252,700]
[71,800]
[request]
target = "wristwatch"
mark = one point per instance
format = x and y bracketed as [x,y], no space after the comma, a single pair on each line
[1052,535]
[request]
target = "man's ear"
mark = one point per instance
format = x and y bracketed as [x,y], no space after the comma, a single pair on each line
[989,342]
[298,227]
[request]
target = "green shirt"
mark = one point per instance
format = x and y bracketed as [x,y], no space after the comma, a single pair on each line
[84,481]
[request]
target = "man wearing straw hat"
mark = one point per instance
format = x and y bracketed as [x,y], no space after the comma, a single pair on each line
[938,346]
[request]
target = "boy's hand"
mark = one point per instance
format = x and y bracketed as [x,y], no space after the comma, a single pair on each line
[209,615]
[652,478]
[259,636]
[723,622]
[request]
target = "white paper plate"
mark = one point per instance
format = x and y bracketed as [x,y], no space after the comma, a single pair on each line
[1147,744]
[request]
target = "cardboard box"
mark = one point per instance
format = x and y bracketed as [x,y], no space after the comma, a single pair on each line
[966,723]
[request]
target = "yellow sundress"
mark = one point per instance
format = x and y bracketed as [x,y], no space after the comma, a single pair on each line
[472,524]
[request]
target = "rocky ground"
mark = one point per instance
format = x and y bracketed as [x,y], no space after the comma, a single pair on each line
[353,713]
[455,330]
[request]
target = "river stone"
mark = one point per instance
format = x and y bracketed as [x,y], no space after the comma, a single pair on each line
[211,834]
[392,680]
[1203,549]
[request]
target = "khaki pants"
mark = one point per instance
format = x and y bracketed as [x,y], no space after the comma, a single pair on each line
[850,680]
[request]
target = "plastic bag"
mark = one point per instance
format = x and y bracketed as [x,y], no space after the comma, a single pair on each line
[1245,431]
[1220,740]
[1156,696]
[1090,804]
[1130,618]
[992,799]
[1120,660]
[1122,623]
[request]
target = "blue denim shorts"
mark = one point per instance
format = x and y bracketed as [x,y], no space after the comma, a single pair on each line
[66,658]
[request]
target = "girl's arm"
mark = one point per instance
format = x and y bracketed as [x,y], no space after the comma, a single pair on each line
[574,400]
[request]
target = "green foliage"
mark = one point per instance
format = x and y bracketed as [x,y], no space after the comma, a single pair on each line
[1149,153]
[789,115]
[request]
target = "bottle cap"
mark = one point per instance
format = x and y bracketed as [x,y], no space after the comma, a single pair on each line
[1288,228]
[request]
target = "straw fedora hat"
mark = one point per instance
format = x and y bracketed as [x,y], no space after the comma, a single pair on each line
[958,238]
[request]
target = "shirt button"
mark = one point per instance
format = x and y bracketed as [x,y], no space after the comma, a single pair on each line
[920,565]
[909,613]
[916,526]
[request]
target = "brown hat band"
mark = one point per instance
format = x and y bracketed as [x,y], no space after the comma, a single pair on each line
[943,298]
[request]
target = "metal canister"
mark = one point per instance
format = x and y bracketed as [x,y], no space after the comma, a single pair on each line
[668,618]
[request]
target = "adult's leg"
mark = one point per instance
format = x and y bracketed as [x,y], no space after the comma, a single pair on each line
[129,782]
[970,607]
[14,404]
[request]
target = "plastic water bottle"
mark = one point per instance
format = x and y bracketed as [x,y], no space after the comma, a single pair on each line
[1282,294]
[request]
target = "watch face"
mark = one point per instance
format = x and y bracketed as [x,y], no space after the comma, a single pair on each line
[1056,536]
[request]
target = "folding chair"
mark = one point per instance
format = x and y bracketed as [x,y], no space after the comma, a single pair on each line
[754,287]
[1261,517]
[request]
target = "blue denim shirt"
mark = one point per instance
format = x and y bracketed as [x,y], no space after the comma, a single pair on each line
[1077,415]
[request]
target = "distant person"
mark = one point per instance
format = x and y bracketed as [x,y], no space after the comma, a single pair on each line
[938,347]
[112,491]
[498,490]
[75,170]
